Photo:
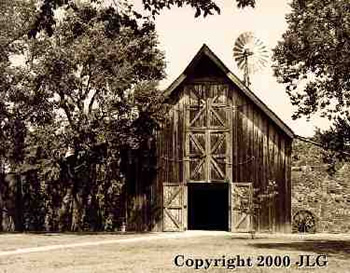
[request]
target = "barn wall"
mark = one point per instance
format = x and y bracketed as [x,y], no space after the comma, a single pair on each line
[261,153]
[170,155]
[145,194]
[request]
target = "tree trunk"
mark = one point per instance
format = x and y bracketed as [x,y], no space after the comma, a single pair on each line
[77,212]
[18,219]
[65,211]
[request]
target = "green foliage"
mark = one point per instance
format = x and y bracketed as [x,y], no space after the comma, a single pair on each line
[324,149]
[89,86]
[336,141]
[16,15]
[306,154]
[34,201]
[261,198]
[45,19]
[246,3]
[205,7]
[86,82]
[312,59]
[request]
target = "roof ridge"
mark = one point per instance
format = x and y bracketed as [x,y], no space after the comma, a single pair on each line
[234,79]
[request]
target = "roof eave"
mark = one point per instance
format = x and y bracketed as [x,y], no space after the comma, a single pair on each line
[260,104]
[206,50]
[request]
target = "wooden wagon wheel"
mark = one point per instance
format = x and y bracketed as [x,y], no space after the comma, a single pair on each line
[304,221]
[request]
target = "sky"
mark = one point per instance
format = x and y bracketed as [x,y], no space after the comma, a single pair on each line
[181,36]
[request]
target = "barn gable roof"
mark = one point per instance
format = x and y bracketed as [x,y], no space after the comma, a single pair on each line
[205,51]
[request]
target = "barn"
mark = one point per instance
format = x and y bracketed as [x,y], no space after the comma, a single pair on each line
[220,150]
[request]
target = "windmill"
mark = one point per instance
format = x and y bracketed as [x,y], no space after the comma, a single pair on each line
[250,54]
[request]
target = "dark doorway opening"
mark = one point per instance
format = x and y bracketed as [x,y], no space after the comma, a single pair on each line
[208,206]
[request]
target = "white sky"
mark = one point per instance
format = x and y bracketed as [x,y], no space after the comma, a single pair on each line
[181,36]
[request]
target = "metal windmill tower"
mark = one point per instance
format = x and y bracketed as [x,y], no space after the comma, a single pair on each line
[250,54]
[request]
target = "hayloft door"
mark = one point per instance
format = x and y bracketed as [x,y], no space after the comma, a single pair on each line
[207,134]
[173,207]
[241,207]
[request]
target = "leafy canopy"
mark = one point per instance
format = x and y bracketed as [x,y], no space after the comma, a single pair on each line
[45,18]
[313,61]
[88,82]
[313,57]
[91,85]
[93,75]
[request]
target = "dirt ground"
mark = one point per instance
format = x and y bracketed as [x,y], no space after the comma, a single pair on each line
[191,251]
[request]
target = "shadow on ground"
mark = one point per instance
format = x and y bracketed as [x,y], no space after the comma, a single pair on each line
[336,248]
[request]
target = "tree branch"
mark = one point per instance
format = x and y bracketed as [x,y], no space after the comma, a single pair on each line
[66,110]
[87,89]
[92,102]
[320,145]
[77,102]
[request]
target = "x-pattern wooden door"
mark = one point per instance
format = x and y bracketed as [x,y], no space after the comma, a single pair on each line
[242,207]
[173,207]
[207,133]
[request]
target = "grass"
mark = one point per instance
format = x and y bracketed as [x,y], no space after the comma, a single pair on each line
[157,255]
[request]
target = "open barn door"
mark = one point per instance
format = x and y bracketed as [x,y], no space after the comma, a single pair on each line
[241,207]
[173,207]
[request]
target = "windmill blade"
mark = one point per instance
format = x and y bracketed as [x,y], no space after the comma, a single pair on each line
[241,63]
[239,55]
[257,67]
[263,62]
[250,54]
[259,43]
[243,40]
[239,43]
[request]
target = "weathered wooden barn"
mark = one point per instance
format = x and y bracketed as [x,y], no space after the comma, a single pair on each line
[220,149]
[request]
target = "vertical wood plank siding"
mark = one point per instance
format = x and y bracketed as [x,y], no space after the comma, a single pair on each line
[260,152]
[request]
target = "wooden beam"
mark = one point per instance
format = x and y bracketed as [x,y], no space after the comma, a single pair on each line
[320,145]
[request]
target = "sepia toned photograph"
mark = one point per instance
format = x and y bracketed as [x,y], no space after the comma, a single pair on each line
[151,136]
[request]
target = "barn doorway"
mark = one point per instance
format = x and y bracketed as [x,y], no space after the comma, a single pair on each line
[208,206]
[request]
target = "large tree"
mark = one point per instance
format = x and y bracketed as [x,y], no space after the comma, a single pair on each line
[16,18]
[98,71]
[88,87]
[45,17]
[312,60]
